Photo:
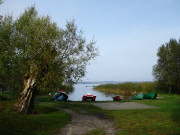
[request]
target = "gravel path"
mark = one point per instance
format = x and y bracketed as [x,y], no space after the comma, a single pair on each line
[83,123]
[124,105]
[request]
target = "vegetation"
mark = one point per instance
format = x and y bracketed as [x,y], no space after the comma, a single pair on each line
[127,88]
[96,132]
[1,1]
[37,55]
[167,69]
[46,120]
[162,120]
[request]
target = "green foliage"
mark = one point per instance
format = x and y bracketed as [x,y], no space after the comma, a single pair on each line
[128,88]
[167,69]
[8,60]
[9,95]
[33,45]
[1,2]
[67,88]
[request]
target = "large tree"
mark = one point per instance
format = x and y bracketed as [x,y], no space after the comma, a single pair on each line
[167,69]
[42,55]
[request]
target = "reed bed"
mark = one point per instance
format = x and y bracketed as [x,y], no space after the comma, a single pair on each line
[127,88]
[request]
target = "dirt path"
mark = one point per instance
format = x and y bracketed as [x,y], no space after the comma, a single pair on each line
[125,105]
[83,123]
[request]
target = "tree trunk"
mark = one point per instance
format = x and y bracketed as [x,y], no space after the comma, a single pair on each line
[170,89]
[26,101]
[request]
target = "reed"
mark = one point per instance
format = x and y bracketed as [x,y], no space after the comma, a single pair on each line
[127,88]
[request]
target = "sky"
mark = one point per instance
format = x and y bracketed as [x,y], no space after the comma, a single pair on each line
[128,33]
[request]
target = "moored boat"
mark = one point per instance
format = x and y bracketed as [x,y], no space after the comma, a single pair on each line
[118,98]
[138,96]
[60,96]
[88,97]
[150,96]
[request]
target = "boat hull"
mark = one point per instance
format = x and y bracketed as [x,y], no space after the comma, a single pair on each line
[118,98]
[88,98]
[150,96]
[138,96]
[60,96]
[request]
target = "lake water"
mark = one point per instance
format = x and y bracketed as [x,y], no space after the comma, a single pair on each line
[83,89]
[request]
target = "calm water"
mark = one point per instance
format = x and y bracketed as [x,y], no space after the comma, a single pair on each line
[83,89]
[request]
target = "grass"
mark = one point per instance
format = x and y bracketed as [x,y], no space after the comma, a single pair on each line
[164,120]
[96,132]
[48,120]
[128,88]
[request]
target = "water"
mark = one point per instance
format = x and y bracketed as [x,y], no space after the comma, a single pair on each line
[83,89]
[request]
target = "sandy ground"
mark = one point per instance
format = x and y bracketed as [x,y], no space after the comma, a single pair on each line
[82,122]
[124,105]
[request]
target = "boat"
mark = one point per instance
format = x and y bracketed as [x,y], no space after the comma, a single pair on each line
[118,98]
[60,96]
[150,96]
[88,97]
[138,96]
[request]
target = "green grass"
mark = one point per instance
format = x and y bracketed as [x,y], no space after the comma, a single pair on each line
[96,132]
[46,121]
[127,88]
[164,120]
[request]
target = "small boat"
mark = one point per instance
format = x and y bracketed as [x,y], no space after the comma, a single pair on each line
[60,96]
[88,97]
[150,96]
[138,96]
[118,98]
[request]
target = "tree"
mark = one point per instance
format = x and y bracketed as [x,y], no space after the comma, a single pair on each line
[167,69]
[7,56]
[46,56]
[1,2]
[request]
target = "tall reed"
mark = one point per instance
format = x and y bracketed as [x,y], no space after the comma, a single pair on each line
[127,88]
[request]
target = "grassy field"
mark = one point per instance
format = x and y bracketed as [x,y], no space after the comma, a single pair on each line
[164,120]
[46,121]
[128,88]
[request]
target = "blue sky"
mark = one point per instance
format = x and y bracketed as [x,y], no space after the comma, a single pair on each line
[128,32]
